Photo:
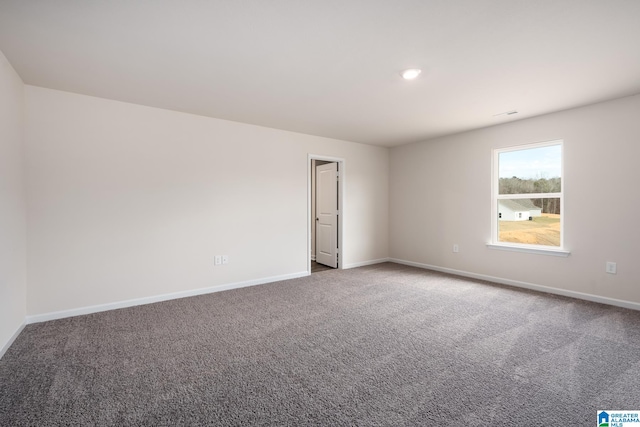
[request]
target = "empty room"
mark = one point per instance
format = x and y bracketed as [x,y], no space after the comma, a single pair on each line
[319,213]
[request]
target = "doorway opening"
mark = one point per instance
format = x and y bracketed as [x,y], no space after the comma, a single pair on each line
[326,180]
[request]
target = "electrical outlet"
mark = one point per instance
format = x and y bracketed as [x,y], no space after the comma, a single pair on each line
[456,248]
[225,259]
[217,260]
[611,268]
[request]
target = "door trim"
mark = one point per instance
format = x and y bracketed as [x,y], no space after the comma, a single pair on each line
[326,213]
[341,205]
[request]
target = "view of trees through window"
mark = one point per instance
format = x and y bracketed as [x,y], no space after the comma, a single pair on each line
[529,194]
[515,185]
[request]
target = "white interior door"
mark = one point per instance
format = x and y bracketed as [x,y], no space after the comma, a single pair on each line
[327,214]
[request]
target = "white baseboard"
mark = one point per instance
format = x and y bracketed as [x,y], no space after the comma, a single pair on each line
[218,288]
[363,263]
[6,346]
[157,298]
[532,286]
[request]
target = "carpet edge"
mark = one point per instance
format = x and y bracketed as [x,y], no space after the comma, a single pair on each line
[12,338]
[37,318]
[526,285]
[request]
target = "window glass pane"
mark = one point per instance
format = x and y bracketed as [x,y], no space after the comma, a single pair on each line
[529,221]
[533,170]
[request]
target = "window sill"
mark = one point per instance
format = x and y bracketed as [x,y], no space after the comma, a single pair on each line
[529,249]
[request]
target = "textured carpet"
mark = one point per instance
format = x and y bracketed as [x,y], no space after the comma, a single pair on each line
[384,345]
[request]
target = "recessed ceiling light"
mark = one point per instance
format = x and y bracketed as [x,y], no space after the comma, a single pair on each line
[411,73]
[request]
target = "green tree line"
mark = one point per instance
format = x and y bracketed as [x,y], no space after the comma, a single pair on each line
[515,185]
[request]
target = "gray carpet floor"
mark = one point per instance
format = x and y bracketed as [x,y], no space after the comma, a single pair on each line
[384,345]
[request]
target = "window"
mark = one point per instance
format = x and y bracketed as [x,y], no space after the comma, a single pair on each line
[527,198]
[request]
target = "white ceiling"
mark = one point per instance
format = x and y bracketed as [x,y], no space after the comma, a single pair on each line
[331,68]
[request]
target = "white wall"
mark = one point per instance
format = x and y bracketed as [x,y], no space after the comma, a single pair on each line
[127,202]
[13,291]
[433,185]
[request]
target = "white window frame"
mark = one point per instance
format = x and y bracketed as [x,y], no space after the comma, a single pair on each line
[495,182]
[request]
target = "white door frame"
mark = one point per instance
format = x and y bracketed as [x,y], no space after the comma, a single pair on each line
[326,212]
[341,191]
